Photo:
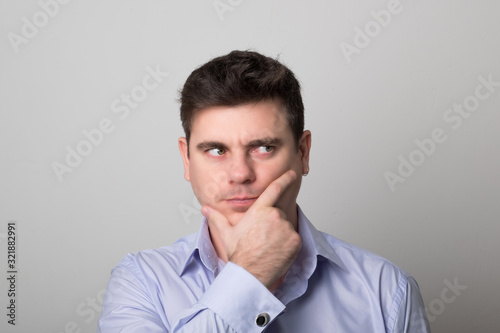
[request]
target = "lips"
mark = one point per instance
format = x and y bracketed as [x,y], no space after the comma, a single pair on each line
[241,201]
[241,198]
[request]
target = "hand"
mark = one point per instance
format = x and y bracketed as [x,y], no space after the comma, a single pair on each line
[263,242]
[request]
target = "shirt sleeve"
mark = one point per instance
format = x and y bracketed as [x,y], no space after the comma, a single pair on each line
[411,316]
[230,304]
[236,298]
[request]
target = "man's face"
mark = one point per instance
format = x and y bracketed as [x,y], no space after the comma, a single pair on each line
[236,152]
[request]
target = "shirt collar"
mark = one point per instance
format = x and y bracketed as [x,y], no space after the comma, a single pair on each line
[202,246]
[314,244]
[315,248]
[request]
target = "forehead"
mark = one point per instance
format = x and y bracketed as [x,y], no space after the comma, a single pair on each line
[242,122]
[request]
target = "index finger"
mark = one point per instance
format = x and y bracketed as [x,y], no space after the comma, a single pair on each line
[274,190]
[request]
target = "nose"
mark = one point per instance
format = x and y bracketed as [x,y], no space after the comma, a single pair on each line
[240,170]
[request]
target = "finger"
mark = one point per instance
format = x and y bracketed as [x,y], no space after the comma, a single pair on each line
[274,190]
[214,217]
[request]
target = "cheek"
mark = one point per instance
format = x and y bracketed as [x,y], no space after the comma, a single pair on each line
[203,186]
[292,162]
[286,161]
[269,172]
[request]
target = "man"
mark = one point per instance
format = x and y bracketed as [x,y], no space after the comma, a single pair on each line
[257,264]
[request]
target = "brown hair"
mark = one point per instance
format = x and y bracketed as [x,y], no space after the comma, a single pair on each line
[242,77]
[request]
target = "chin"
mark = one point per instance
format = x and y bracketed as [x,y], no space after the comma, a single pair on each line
[235,217]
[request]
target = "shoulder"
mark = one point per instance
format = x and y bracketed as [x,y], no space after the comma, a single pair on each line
[171,258]
[370,268]
[373,277]
[353,255]
[382,281]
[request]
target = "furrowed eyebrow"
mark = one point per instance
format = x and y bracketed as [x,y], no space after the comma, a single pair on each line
[209,145]
[206,145]
[265,142]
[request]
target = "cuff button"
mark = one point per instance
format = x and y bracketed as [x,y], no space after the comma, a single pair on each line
[262,319]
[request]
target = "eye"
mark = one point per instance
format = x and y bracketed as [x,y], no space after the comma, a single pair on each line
[216,151]
[264,149]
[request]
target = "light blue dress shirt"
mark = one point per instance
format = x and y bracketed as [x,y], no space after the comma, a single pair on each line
[331,287]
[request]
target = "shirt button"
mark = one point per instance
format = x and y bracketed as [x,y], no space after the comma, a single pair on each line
[262,319]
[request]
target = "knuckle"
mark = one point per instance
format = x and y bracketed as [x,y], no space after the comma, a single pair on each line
[296,240]
[275,214]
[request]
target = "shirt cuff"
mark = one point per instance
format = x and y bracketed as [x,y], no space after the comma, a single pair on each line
[241,300]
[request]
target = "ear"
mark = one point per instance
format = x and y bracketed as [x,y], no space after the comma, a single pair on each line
[305,148]
[183,148]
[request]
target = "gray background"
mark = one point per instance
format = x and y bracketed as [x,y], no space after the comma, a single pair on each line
[364,110]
